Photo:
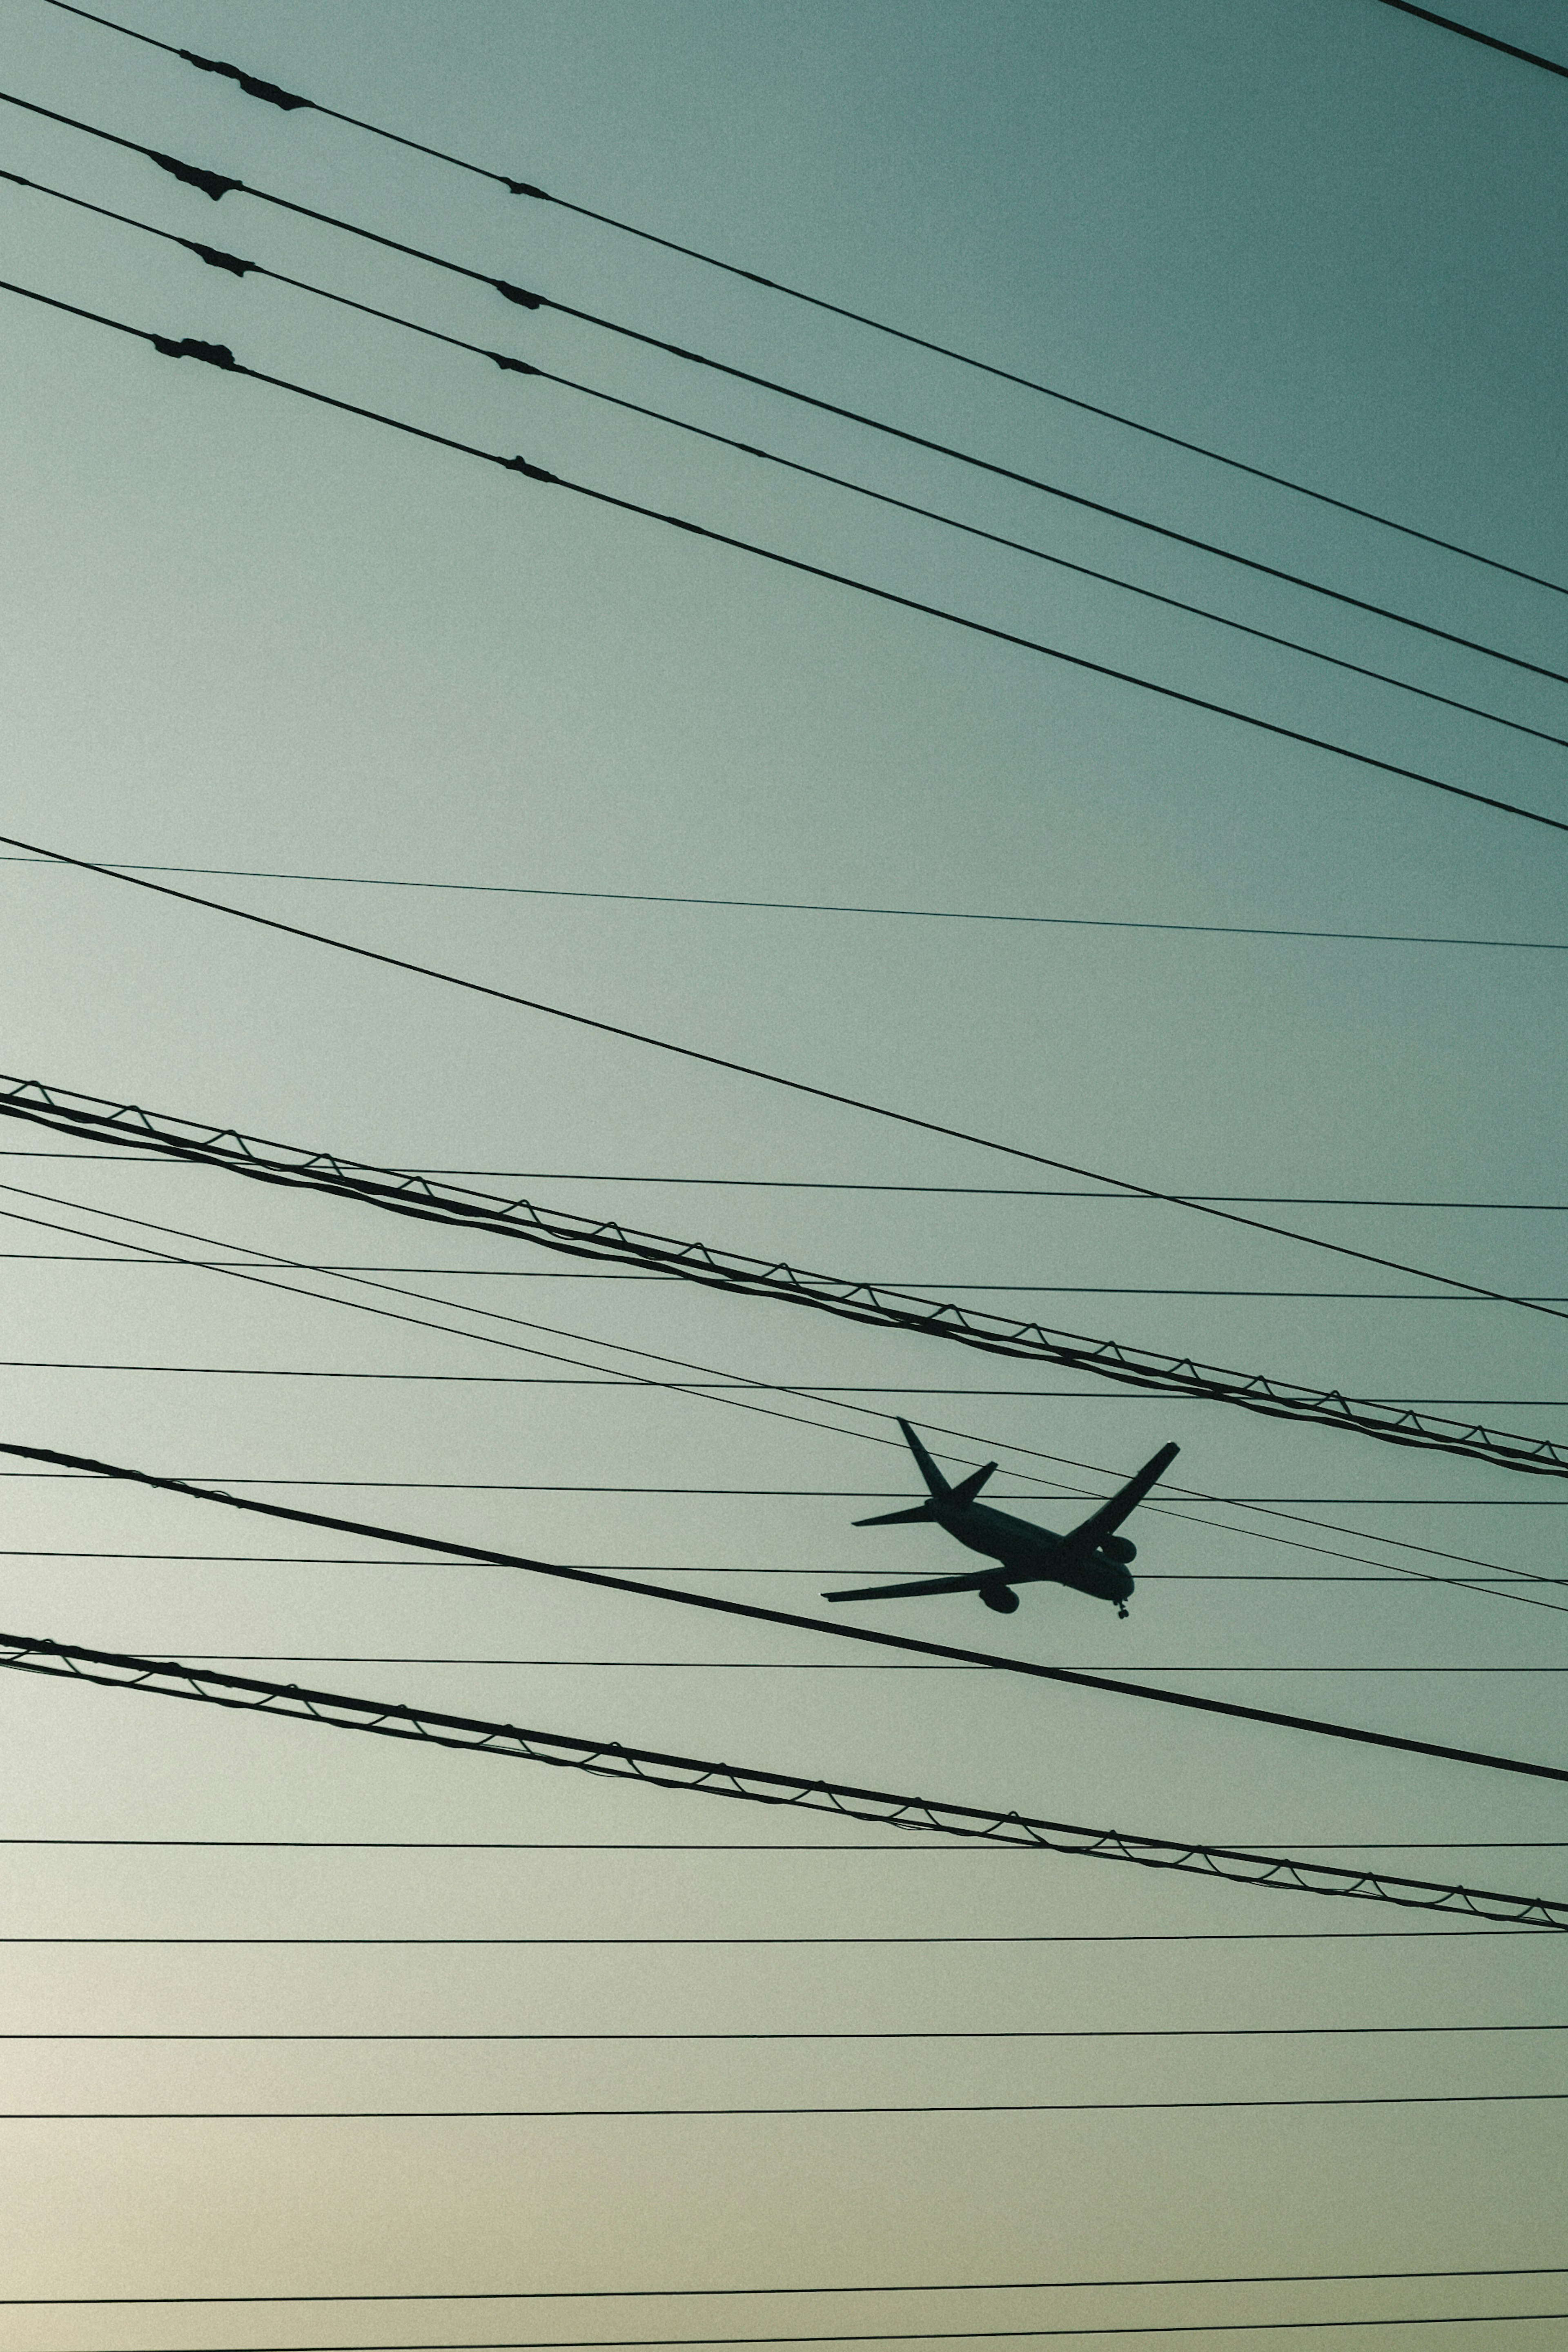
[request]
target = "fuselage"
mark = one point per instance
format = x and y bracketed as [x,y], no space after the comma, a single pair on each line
[1030,1555]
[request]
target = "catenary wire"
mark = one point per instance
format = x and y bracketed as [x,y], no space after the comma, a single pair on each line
[1481,1584]
[1407,8]
[205,1685]
[827,907]
[219,355]
[604,1580]
[237,267]
[659,2293]
[272,95]
[1036,1452]
[764,1666]
[219,185]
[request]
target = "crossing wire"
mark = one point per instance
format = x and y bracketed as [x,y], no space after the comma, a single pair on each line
[835,1629]
[895,2335]
[237,268]
[654,1767]
[217,185]
[270,94]
[599,1239]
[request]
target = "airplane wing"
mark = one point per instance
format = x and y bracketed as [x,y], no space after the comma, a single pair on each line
[1084,1538]
[971,1583]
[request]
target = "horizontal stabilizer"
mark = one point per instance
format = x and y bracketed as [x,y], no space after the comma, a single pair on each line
[967,1488]
[899,1518]
[909,1592]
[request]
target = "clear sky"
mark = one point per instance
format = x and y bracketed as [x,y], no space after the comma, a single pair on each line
[242,632]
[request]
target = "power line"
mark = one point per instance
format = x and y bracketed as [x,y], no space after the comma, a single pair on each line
[911,914]
[601,1239]
[825,1390]
[730,1845]
[651,2294]
[837,1628]
[1482,1584]
[1395,1577]
[599,1943]
[219,185]
[896,2336]
[771,1665]
[874,2033]
[834,1494]
[613,1760]
[271,95]
[668,2114]
[236,266]
[219,355]
[1408,7]
[956,1289]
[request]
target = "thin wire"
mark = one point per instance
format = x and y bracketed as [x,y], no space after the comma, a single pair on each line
[770,1077]
[764,1666]
[818,302]
[243,269]
[624,2115]
[1408,7]
[651,2294]
[928,1283]
[724,1845]
[927,2334]
[510,1943]
[911,914]
[834,1493]
[1004,2034]
[836,1629]
[826,1389]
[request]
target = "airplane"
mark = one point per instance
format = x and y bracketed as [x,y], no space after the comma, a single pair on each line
[1091,1557]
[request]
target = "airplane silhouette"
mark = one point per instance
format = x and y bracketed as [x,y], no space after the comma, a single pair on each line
[1091,1557]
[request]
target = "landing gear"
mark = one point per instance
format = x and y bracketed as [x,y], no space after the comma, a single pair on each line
[1122,1608]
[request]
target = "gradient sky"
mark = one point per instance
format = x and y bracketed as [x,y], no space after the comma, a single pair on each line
[241,632]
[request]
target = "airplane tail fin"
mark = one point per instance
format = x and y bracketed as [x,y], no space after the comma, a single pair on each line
[899,1518]
[934,1480]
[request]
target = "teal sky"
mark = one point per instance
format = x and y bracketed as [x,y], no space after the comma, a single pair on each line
[237,631]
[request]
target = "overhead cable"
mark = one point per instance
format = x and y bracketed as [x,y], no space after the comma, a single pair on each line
[600,1239]
[235,266]
[869,2033]
[837,1628]
[892,2336]
[217,185]
[707,2294]
[270,94]
[656,1769]
[833,907]
[219,355]
[1406,8]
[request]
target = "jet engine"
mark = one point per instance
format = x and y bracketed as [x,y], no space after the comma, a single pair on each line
[1118,1548]
[1000,1597]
